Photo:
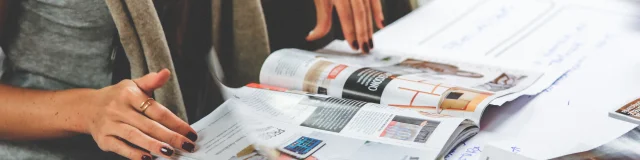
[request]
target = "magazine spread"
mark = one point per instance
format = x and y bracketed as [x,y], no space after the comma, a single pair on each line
[332,106]
[434,86]
[264,124]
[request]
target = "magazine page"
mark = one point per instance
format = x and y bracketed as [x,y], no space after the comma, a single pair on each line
[629,112]
[434,87]
[341,52]
[258,124]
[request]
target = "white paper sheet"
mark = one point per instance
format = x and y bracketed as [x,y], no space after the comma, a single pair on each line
[491,151]
[601,36]
[215,69]
[545,34]
[571,116]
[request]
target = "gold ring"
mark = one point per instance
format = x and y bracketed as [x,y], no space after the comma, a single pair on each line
[145,105]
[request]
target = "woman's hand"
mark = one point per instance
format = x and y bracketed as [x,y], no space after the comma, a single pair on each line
[119,115]
[355,17]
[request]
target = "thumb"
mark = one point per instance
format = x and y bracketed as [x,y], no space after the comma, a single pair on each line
[323,20]
[152,81]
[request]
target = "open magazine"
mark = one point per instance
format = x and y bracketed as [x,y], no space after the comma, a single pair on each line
[324,106]
[434,86]
[258,124]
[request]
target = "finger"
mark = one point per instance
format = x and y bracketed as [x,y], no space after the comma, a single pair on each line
[323,20]
[135,136]
[343,7]
[369,26]
[360,24]
[152,81]
[164,126]
[164,116]
[376,8]
[161,123]
[113,144]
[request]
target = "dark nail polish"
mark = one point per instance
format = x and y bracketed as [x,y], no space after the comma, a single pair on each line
[188,146]
[370,43]
[365,49]
[154,157]
[192,136]
[146,157]
[166,151]
[355,45]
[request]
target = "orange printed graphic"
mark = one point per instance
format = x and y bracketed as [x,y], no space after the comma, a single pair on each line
[267,87]
[384,132]
[420,81]
[453,98]
[336,71]
[434,115]
[417,92]
[414,98]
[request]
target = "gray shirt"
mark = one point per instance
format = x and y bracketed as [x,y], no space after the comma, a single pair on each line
[60,44]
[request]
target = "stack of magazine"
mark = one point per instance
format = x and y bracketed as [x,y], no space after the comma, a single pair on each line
[312,105]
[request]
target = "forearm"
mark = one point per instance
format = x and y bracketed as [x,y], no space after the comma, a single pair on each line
[107,114]
[27,114]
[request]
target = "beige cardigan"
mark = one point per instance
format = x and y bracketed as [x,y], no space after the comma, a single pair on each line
[146,48]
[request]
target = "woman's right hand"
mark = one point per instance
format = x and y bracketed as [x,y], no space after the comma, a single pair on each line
[116,118]
[357,18]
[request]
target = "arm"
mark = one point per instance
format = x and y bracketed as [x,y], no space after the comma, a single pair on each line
[27,114]
[112,115]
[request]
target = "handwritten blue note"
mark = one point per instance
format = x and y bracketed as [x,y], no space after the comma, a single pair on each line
[470,152]
[515,149]
[495,19]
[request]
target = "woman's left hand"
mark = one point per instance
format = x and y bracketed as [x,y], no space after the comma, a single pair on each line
[355,17]
[124,112]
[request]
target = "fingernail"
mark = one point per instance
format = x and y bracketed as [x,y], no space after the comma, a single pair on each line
[370,43]
[146,157]
[192,136]
[166,151]
[382,21]
[154,157]
[365,49]
[355,45]
[188,146]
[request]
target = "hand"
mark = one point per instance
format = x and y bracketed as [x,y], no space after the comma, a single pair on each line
[117,117]
[355,17]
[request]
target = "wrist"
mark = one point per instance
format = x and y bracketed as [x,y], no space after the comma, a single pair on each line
[78,115]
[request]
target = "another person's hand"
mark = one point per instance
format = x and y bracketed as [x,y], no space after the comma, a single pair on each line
[355,17]
[124,113]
